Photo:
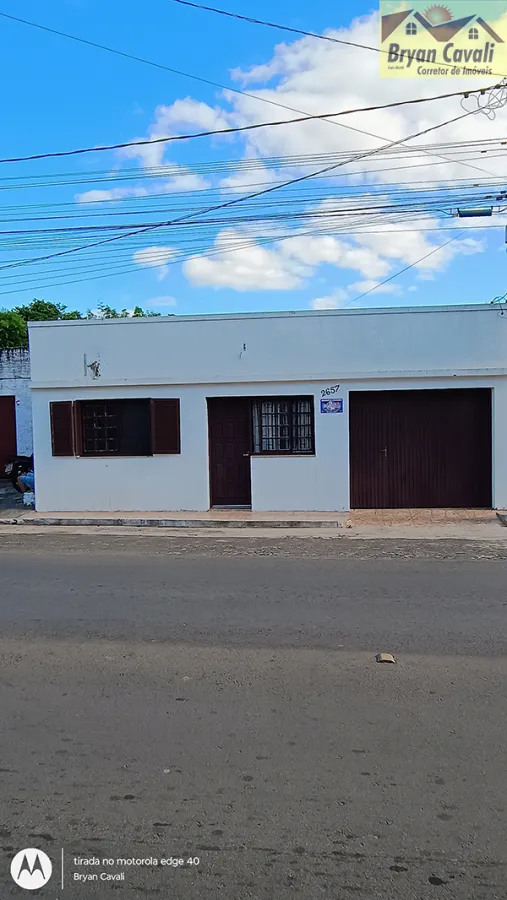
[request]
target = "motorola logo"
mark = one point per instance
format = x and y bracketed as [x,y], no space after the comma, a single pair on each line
[31,869]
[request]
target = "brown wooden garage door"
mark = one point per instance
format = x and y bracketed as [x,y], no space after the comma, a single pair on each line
[420,449]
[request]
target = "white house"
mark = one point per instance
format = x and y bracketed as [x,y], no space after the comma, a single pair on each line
[297,411]
[15,405]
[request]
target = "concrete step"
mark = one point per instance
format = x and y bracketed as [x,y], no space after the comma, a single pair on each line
[145,522]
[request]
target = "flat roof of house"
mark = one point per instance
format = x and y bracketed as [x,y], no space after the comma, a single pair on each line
[392,310]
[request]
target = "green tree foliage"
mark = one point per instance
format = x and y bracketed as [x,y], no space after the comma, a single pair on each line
[107,312]
[140,313]
[13,332]
[13,323]
[43,311]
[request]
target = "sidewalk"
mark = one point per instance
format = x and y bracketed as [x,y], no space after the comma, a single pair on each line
[421,524]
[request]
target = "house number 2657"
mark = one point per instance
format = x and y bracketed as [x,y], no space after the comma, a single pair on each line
[328,392]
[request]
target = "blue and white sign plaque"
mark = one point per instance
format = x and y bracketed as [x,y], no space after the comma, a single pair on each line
[331,406]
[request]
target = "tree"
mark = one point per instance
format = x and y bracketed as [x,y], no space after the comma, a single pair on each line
[44,311]
[13,323]
[13,332]
[107,312]
[140,313]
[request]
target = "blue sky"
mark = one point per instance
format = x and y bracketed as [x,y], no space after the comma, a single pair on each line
[63,95]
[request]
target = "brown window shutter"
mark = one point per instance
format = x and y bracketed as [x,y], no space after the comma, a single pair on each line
[77,419]
[62,428]
[165,426]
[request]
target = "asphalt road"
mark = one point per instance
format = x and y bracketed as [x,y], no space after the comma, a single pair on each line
[220,701]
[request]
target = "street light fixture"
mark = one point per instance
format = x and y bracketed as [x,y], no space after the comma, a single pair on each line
[478,212]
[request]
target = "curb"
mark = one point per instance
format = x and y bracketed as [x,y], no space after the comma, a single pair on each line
[174,523]
[503,518]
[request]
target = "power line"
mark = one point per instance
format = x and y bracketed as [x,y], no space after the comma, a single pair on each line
[198,254]
[75,179]
[147,228]
[408,205]
[160,259]
[234,130]
[402,203]
[451,197]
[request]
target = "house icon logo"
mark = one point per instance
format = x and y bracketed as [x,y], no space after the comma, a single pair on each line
[467,37]
[31,869]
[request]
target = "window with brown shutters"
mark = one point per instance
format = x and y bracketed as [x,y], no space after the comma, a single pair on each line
[62,428]
[127,427]
[165,426]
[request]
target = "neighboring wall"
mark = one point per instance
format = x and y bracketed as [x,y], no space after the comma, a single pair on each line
[15,381]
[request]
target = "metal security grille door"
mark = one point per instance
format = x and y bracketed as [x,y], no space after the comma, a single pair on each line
[420,449]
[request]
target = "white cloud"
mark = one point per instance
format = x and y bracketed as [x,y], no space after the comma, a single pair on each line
[248,181]
[190,112]
[250,267]
[114,194]
[183,180]
[307,74]
[161,302]
[343,296]
[313,251]
[283,266]
[150,155]
[243,264]
[408,246]
[184,113]
[332,301]
[187,181]
[156,258]
[319,77]
[303,74]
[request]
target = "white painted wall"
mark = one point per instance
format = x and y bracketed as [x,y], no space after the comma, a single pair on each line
[196,358]
[279,347]
[15,382]
[155,483]
[158,483]
[179,482]
[500,443]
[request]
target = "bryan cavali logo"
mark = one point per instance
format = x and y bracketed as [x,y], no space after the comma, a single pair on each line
[31,869]
[465,37]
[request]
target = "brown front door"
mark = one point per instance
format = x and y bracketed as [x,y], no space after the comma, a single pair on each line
[230,443]
[416,449]
[8,444]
